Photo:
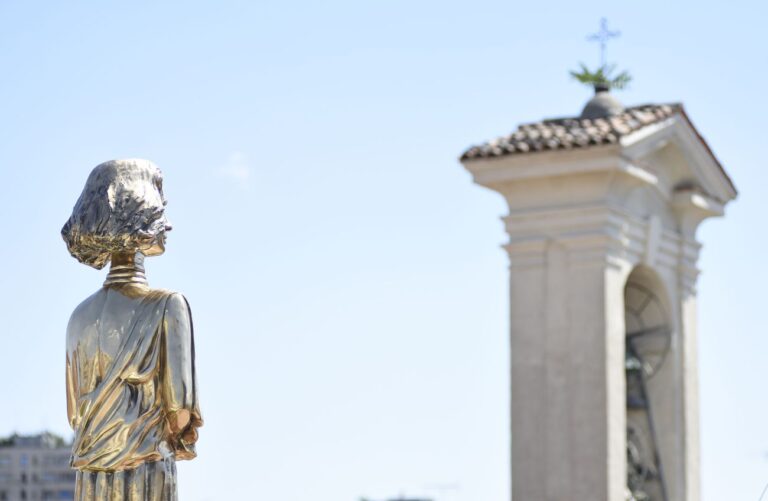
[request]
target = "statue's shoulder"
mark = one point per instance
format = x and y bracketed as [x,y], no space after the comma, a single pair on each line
[92,304]
[164,295]
[176,309]
[98,297]
[85,314]
[174,301]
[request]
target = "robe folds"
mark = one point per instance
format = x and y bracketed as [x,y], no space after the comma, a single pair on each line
[130,371]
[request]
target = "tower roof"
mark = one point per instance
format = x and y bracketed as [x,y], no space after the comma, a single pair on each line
[573,132]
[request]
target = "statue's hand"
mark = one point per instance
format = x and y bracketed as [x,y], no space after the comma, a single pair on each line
[178,421]
[190,436]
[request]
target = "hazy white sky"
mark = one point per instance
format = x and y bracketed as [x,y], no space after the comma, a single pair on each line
[345,275]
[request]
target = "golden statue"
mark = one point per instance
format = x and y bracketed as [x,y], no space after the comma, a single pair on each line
[131,394]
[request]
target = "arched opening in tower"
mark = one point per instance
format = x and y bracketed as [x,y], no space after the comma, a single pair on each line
[648,343]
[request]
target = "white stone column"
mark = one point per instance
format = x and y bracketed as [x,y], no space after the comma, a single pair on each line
[691,210]
[568,390]
[690,369]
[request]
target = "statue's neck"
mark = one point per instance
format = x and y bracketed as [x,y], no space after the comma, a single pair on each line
[126,268]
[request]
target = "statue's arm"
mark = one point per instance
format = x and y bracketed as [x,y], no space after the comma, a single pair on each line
[72,380]
[71,393]
[179,385]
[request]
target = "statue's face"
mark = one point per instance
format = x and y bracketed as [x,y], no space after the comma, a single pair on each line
[157,246]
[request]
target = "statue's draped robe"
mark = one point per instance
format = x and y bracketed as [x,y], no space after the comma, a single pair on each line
[130,365]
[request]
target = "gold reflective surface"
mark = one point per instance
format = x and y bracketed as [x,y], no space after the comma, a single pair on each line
[131,394]
[130,373]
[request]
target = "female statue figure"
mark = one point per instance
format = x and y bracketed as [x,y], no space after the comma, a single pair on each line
[131,395]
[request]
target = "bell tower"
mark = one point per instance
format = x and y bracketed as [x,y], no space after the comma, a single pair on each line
[603,212]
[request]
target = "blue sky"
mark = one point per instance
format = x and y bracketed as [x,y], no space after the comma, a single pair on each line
[347,284]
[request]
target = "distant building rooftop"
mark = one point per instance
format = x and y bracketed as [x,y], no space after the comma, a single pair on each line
[44,440]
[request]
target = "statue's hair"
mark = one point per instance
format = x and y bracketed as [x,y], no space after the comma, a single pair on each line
[121,209]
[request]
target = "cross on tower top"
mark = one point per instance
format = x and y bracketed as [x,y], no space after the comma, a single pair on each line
[602,38]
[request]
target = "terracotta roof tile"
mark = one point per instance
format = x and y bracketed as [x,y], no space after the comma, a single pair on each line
[568,133]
